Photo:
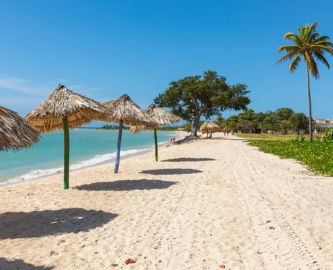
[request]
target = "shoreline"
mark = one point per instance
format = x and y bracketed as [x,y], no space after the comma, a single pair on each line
[12,181]
[142,151]
[204,204]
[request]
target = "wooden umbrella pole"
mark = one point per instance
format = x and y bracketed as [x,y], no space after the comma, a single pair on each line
[120,133]
[156,144]
[66,153]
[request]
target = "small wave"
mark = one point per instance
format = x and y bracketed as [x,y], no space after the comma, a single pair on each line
[98,159]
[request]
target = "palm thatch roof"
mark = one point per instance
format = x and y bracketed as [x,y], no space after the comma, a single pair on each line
[209,127]
[63,103]
[161,116]
[126,110]
[15,132]
[203,127]
[137,129]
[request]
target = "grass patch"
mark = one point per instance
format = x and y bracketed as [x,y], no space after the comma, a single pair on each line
[274,137]
[268,136]
[317,156]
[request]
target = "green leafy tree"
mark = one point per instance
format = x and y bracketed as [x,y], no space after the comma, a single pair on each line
[231,122]
[220,121]
[284,126]
[187,126]
[247,115]
[310,46]
[194,97]
[283,114]
[246,126]
[268,123]
[298,122]
[259,119]
[282,120]
[246,121]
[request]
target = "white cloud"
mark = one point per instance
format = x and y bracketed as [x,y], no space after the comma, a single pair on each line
[93,92]
[22,105]
[23,86]
[19,85]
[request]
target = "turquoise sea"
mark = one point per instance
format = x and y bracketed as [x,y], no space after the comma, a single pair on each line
[87,147]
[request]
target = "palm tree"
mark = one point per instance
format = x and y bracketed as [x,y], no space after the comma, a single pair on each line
[307,44]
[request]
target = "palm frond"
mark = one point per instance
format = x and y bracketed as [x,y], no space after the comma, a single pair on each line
[293,37]
[324,43]
[288,56]
[295,63]
[321,58]
[312,65]
[313,37]
[313,27]
[288,48]
[290,35]
[309,44]
[322,48]
[322,38]
[310,31]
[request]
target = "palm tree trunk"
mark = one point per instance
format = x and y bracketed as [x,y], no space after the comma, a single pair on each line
[310,106]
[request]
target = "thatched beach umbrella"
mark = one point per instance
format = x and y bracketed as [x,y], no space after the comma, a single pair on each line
[209,127]
[136,129]
[15,132]
[125,111]
[213,127]
[64,109]
[204,128]
[163,118]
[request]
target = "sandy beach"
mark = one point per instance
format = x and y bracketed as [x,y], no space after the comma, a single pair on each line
[209,204]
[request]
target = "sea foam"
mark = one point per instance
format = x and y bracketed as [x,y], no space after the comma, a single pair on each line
[98,159]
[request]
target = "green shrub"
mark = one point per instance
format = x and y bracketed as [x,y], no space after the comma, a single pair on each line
[316,155]
[328,137]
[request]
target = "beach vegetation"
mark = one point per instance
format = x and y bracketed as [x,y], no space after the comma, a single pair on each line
[316,155]
[202,96]
[187,126]
[312,47]
[220,121]
[112,127]
[168,128]
[283,120]
[328,136]
[269,136]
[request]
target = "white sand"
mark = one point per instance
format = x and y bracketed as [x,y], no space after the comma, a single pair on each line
[231,205]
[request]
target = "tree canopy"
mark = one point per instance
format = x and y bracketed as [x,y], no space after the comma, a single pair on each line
[283,120]
[199,96]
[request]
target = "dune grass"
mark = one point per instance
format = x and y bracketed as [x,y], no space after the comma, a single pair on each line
[317,156]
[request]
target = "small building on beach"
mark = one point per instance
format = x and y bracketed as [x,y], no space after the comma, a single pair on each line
[325,123]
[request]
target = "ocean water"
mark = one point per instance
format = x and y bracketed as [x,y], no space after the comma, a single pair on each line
[87,147]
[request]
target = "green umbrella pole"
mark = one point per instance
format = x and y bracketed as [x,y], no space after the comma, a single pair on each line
[120,135]
[66,153]
[156,144]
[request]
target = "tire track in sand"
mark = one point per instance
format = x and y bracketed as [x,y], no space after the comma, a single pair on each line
[278,241]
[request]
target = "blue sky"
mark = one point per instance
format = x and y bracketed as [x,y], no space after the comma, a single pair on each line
[106,48]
